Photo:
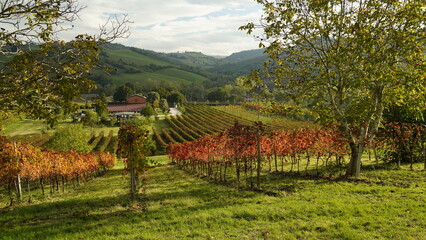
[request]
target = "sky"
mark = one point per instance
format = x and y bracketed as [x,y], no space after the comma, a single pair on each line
[207,26]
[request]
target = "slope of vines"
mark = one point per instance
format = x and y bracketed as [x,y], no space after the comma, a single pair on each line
[199,120]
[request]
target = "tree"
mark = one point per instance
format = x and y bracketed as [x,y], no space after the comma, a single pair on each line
[39,81]
[122,93]
[147,111]
[101,107]
[164,106]
[218,94]
[70,137]
[90,118]
[26,21]
[351,57]
[176,98]
[153,98]
[194,91]
[134,144]
[164,93]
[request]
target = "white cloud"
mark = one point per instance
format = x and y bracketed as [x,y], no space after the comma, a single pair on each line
[179,25]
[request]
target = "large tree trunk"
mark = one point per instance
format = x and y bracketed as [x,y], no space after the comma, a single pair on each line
[354,167]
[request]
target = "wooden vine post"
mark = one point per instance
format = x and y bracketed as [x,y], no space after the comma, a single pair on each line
[18,177]
[134,144]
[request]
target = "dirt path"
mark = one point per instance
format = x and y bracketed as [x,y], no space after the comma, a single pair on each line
[173,112]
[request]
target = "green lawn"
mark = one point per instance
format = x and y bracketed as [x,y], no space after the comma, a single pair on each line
[28,126]
[24,127]
[384,204]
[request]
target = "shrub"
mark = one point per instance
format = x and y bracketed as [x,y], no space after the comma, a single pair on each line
[70,137]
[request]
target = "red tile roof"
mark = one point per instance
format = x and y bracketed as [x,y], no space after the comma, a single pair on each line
[125,107]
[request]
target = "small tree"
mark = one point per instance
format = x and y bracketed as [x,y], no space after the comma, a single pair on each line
[90,118]
[101,107]
[134,144]
[70,137]
[148,111]
[164,106]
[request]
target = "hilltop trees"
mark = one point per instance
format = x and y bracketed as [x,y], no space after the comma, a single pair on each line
[39,80]
[352,58]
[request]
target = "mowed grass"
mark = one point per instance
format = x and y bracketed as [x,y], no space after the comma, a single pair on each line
[25,127]
[34,127]
[383,204]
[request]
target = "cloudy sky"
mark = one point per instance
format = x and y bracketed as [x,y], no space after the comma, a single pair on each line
[208,26]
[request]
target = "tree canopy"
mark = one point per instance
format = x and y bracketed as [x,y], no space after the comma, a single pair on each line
[153,96]
[176,98]
[122,93]
[44,77]
[164,105]
[147,111]
[71,137]
[352,58]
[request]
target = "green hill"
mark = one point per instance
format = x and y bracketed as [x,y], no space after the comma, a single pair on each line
[170,76]
[195,59]
[129,56]
[245,56]
[147,69]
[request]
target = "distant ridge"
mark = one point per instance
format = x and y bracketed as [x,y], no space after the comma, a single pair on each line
[245,55]
[147,69]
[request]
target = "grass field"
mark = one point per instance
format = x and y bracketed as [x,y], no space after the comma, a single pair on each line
[135,58]
[24,127]
[34,127]
[383,204]
[170,75]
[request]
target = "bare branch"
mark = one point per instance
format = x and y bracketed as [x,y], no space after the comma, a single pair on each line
[114,28]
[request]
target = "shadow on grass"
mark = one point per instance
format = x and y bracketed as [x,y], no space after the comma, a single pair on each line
[173,192]
[51,219]
[279,184]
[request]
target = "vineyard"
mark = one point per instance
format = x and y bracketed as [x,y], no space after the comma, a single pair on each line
[268,116]
[103,143]
[300,193]
[249,151]
[97,141]
[39,168]
[199,120]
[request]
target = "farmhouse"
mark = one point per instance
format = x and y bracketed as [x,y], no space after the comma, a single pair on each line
[133,104]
